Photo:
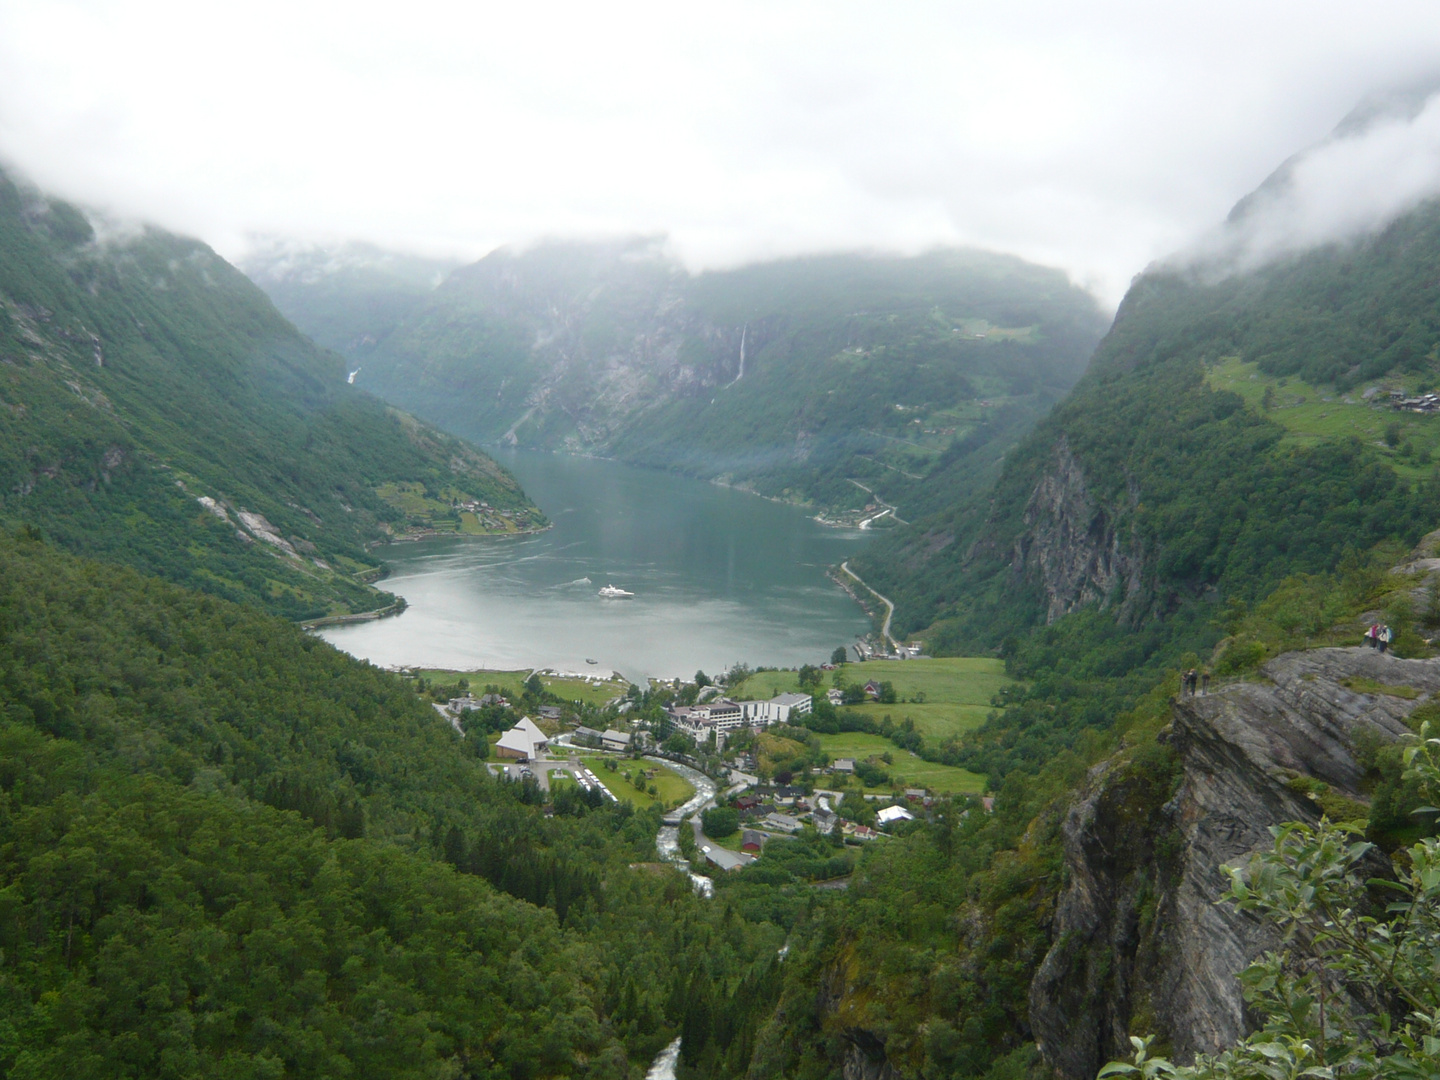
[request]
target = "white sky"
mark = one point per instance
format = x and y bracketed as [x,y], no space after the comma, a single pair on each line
[1094,136]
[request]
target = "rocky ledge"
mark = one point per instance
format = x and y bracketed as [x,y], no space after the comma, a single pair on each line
[1140,944]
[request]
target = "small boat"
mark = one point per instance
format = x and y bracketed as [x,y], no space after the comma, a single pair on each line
[589,661]
[610,592]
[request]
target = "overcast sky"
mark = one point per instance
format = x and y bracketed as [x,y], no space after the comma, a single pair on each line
[1095,136]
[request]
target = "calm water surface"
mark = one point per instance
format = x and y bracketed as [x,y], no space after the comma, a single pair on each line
[719,577]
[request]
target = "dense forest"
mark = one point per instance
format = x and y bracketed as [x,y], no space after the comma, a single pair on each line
[862,376]
[140,373]
[227,849]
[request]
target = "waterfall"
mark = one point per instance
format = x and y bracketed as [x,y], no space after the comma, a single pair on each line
[663,1067]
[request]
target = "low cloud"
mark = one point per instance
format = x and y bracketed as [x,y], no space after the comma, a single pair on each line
[1095,137]
[1380,163]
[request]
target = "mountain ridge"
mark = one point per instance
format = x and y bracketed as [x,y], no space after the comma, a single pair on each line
[142,374]
[869,368]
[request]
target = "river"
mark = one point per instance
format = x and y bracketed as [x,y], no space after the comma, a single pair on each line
[719,576]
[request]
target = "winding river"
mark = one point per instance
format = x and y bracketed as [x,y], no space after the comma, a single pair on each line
[667,840]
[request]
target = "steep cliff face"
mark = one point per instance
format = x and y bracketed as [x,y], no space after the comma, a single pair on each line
[792,377]
[1140,944]
[1073,545]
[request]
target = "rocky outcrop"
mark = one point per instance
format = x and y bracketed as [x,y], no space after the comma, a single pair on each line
[865,1059]
[1072,544]
[1140,944]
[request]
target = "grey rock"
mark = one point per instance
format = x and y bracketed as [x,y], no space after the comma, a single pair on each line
[1139,940]
[1073,545]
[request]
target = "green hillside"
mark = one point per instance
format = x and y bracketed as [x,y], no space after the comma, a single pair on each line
[227,849]
[865,381]
[141,374]
[1210,488]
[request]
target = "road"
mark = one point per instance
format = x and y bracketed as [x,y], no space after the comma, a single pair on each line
[888,509]
[889,605]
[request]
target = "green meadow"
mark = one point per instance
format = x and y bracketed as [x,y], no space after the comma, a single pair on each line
[1313,414]
[511,683]
[906,770]
[957,690]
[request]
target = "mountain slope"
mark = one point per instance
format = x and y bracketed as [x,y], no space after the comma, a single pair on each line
[157,410]
[839,381]
[351,297]
[1155,484]
[223,852]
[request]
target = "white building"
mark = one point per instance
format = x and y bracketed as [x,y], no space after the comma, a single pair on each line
[523,742]
[723,715]
[698,721]
[778,710]
[892,814]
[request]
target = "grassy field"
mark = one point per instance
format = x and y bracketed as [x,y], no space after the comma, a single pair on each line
[671,788]
[766,684]
[1313,414]
[907,770]
[511,684]
[957,690]
[936,722]
[424,511]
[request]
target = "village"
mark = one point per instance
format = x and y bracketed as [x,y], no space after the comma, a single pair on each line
[702,764]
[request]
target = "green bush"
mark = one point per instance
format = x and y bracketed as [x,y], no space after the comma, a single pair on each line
[720,821]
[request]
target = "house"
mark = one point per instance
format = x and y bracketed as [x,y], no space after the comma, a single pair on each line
[824,818]
[523,742]
[892,814]
[872,689]
[550,712]
[752,841]
[587,736]
[615,740]
[465,704]
[844,765]
[495,699]
[863,832]
[916,793]
[835,697]
[725,859]
[782,823]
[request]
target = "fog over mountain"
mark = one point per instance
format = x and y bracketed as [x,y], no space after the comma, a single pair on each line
[1380,162]
[1096,140]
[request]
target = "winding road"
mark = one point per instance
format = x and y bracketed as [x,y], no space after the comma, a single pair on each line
[889,605]
[888,509]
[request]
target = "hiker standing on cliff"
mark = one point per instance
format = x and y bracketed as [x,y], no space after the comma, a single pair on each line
[1187,683]
[1386,636]
[1371,633]
[1205,682]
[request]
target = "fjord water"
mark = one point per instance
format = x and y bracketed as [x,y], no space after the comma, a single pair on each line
[719,576]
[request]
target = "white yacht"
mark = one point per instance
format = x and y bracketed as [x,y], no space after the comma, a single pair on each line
[610,592]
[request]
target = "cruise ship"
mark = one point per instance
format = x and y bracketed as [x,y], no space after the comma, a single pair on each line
[610,592]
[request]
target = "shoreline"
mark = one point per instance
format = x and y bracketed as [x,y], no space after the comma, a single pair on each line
[440,534]
[358,617]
